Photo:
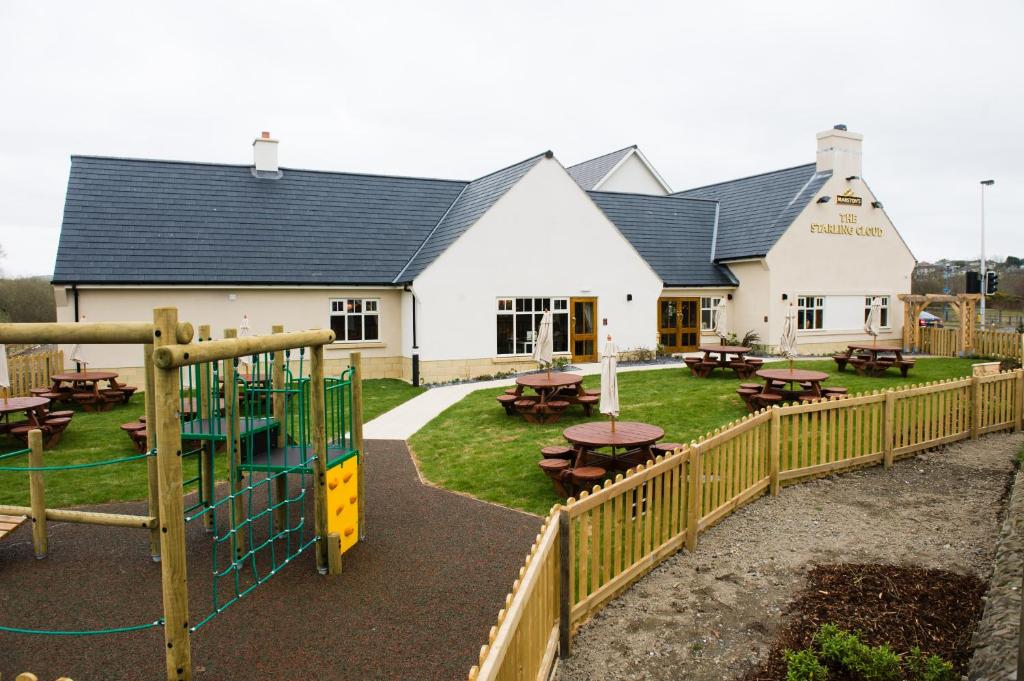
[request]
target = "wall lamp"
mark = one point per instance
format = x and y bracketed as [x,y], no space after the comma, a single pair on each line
[728,296]
[785,296]
[853,177]
[876,204]
[824,199]
[629,297]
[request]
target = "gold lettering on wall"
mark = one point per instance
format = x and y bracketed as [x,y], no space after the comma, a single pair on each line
[846,229]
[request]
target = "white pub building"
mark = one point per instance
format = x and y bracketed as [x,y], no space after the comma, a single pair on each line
[436,279]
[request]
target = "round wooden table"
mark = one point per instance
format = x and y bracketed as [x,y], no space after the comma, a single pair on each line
[547,386]
[790,376]
[84,376]
[723,352]
[34,407]
[636,438]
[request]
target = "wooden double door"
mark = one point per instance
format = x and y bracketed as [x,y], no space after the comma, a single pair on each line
[679,324]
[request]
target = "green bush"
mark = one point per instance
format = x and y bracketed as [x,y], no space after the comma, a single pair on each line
[846,651]
[931,668]
[803,665]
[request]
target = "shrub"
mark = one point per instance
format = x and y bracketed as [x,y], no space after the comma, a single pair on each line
[931,668]
[560,362]
[803,665]
[847,651]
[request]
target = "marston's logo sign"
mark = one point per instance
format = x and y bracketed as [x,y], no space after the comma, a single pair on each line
[848,199]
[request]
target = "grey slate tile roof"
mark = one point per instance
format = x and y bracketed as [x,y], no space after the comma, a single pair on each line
[478,196]
[589,173]
[673,234]
[757,210]
[142,221]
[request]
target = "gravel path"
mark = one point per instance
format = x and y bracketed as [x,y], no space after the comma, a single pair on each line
[713,614]
[414,602]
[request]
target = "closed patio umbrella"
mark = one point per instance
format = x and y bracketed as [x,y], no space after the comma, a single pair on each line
[721,320]
[543,347]
[873,324]
[78,356]
[243,331]
[787,342]
[5,376]
[609,380]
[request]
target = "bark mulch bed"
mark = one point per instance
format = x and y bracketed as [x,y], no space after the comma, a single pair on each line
[903,607]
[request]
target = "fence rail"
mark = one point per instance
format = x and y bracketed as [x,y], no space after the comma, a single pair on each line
[33,371]
[593,548]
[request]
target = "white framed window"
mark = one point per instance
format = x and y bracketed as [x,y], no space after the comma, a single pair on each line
[355,319]
[884,321]
[708,313]
[810,312]
[519,319]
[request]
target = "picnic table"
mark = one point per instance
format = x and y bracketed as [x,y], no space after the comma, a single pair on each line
[872,360]
[808,382]
[630,443]
[84,387]
[37,414]
[554,393]
[34,409]
[725,357]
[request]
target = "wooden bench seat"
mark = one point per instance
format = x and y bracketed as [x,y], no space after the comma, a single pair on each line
[585,477]
[905,366]
[665,448]
[556,470]
[588,402]
[557,452]
[841,361]
[557,406]
[506,401]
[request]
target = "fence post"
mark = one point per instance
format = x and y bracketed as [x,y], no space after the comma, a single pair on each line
[173,567]
[975,407]
[278,399]
[1019,421]
[206,401]
[318,433]
[694,499]
[37,492]
[564,597]
[152,471]
[775,449]
[356,363]
[231,420]
[888,428]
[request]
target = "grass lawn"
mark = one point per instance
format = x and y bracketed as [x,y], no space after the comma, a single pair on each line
[474,447]
[97,437]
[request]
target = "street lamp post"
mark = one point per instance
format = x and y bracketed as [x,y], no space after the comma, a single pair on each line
[984,264]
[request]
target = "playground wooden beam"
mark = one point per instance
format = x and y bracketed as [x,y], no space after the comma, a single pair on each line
[88,332]
[63,515]
[174,356]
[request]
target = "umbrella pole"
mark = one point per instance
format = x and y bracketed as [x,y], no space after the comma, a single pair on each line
[613,424]
[5,396]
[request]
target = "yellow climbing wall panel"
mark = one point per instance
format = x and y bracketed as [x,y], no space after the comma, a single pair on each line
[343,502]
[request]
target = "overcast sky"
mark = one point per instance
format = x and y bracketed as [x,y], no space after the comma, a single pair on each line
[710,91]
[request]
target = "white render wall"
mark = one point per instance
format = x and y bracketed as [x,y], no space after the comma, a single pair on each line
[543,238]
[633,177]
[841,267]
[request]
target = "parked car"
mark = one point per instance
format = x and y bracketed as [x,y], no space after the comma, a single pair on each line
[928,319]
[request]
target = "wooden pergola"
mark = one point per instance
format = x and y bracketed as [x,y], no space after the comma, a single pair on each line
[963,305]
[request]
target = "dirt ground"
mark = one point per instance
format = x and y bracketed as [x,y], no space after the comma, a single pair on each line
[714,613]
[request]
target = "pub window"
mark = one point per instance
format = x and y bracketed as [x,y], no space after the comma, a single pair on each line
[355,319]
[519,321]
[884,322]
[708,312]
[810,312]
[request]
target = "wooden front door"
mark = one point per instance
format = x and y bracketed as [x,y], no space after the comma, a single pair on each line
[679,324]
[584,329]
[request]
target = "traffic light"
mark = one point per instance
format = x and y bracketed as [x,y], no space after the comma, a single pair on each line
[992,285]
[973,282]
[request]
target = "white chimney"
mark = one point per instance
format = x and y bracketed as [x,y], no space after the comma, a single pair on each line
[840,151]
[264,151]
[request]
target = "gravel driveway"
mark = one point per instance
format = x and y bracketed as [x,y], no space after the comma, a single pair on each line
[714,613]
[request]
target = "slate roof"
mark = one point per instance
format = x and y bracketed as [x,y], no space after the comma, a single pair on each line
[589,173]
[757,210]
[673,234]
[142,221]
[477,197]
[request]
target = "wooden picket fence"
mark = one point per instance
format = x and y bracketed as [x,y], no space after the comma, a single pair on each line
[943,342]
[33,371]
[592,548]
[940,342]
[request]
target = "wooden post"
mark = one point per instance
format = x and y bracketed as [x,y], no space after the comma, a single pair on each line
[37,492]
[775,450]
[152,469]
[564,596]
[693,502]
[1019,420]
[318,432]
[888,428]
[334,553]
[975,407]
[173,567]
[356,362]
[281,479]
[207,400]
[233,431]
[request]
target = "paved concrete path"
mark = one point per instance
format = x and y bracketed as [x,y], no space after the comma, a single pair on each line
[406,419]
